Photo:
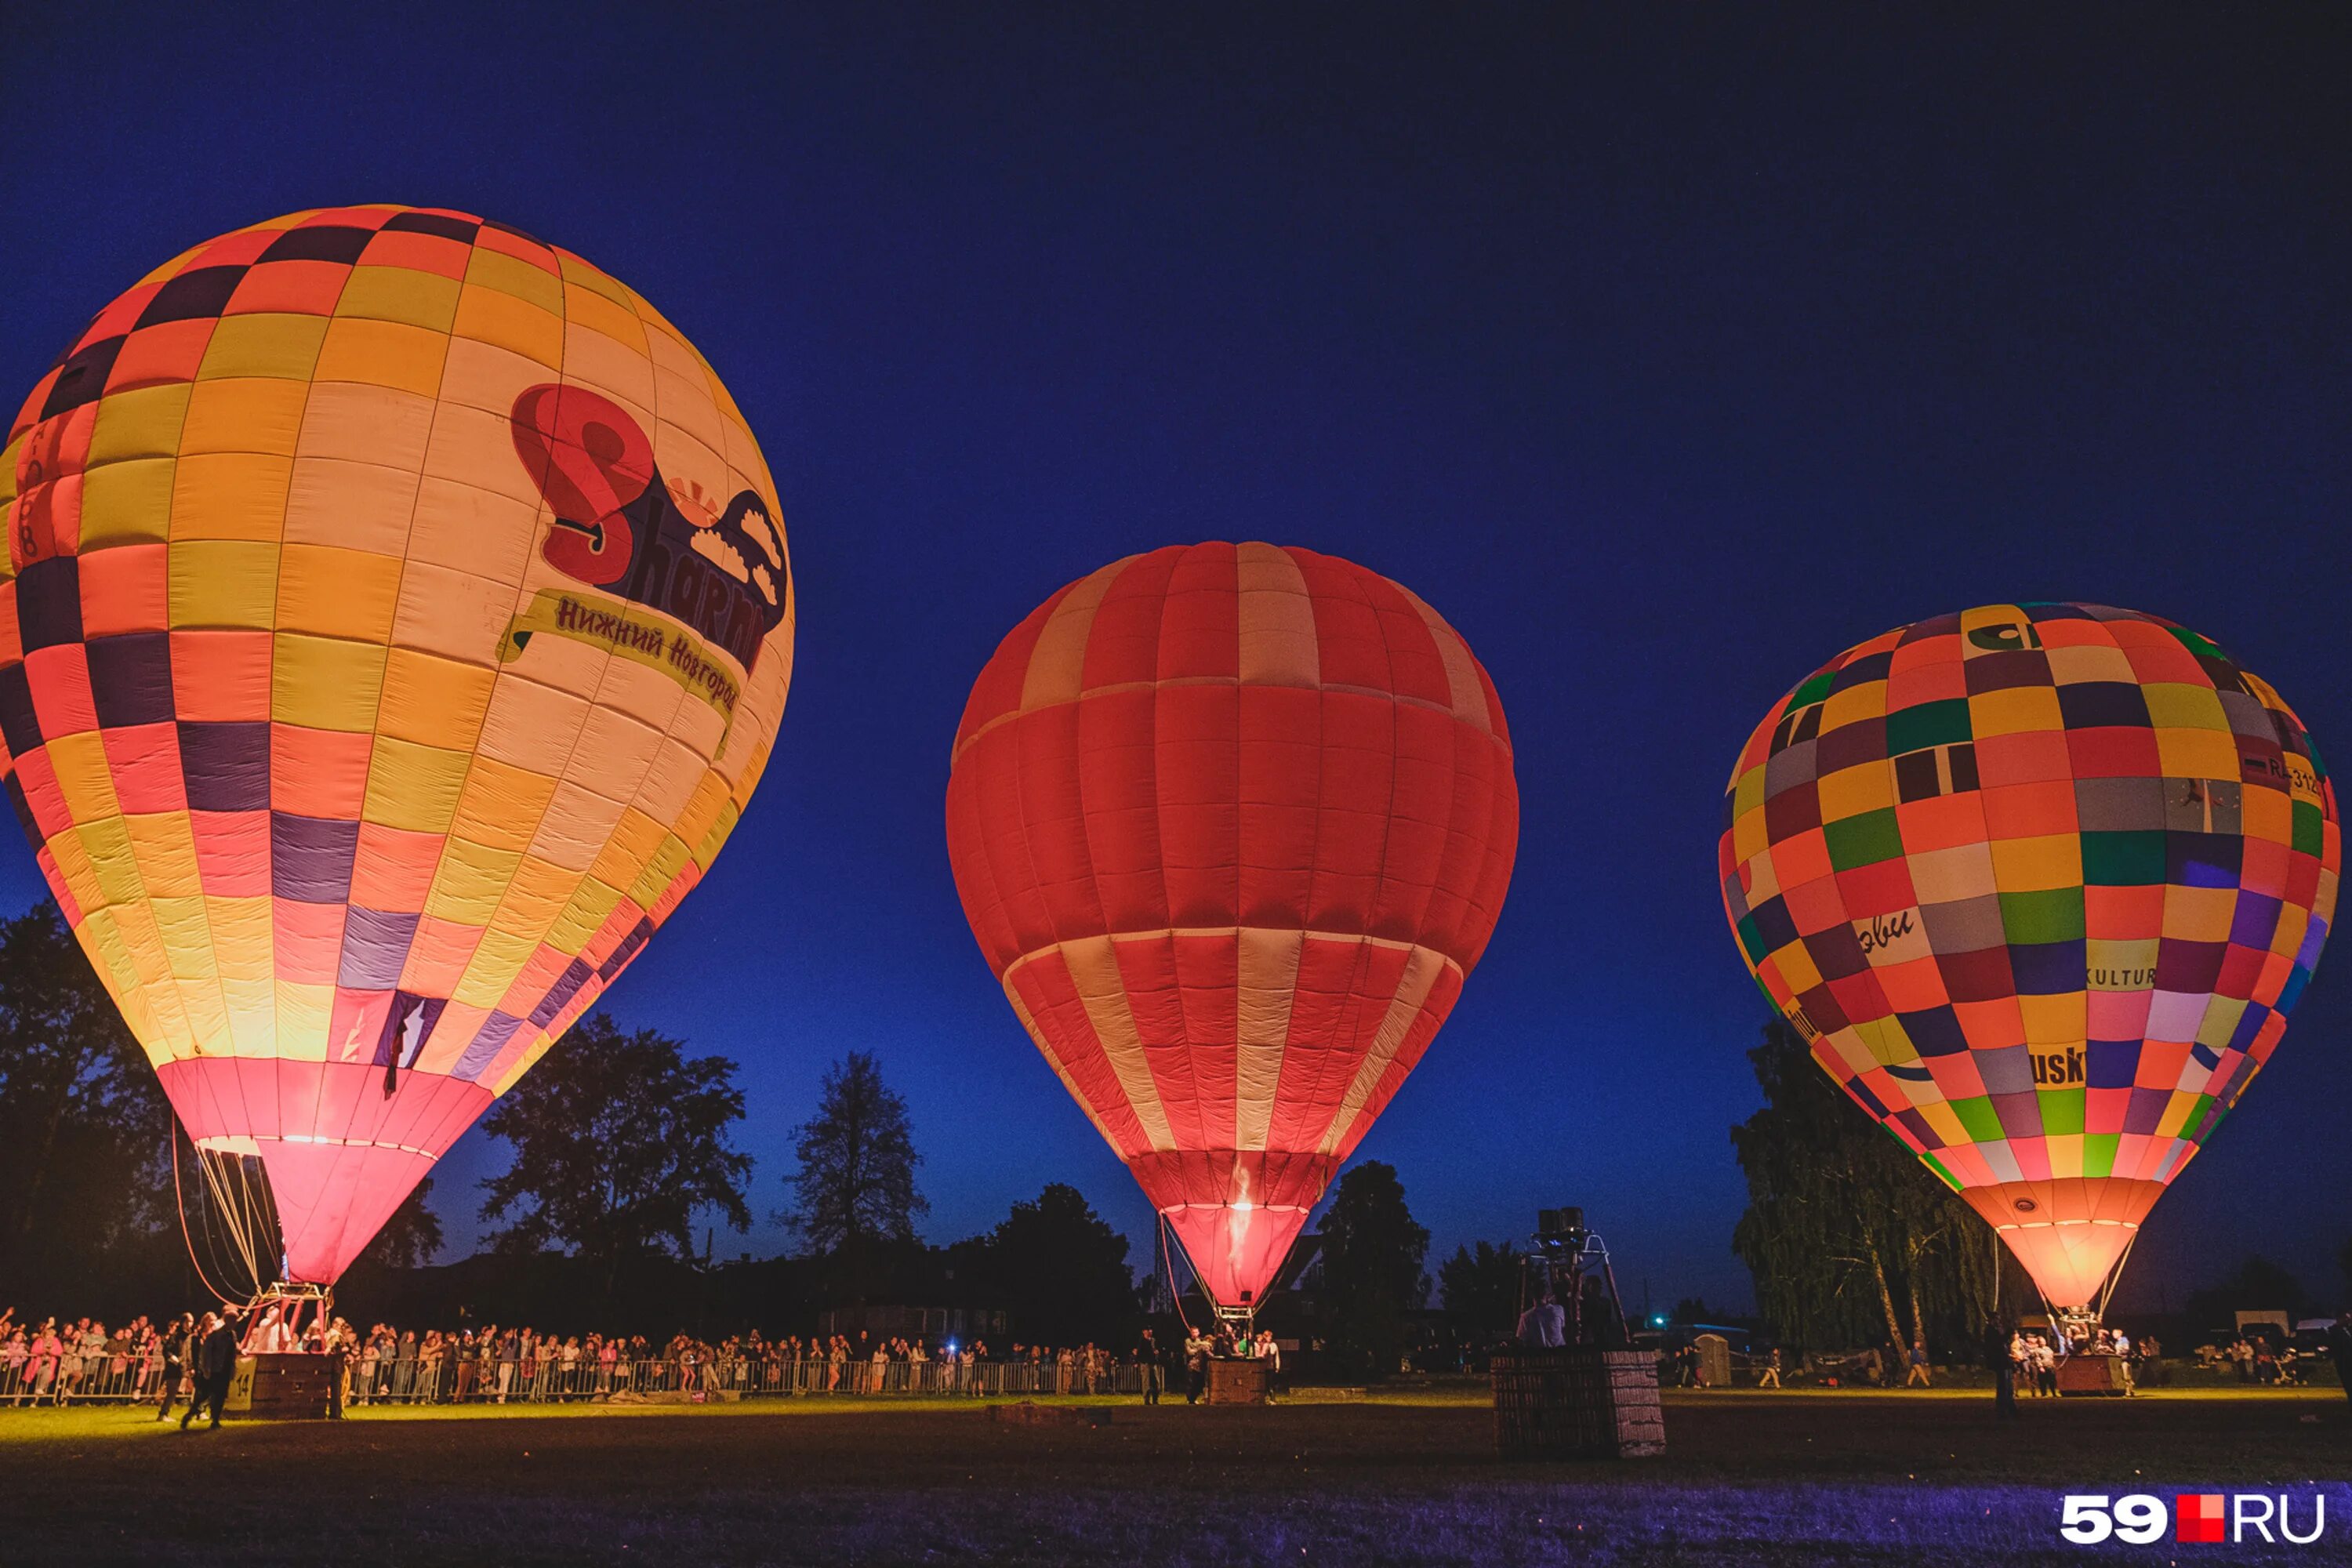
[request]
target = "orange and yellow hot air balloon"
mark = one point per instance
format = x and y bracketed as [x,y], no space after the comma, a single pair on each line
[397,617]
[2039,883]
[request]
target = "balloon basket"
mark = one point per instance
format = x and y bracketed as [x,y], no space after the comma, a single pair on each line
[2092,1377]
[281,1387]
[1238,1382]
[1577,1403]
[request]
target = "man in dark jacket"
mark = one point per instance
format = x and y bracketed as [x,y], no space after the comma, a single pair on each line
[2339,1346]
[1154,1364]
[179,1340]
[215,1363]
[2004,1371]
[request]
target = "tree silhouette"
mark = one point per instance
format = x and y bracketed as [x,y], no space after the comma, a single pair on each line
[2258,1285]
[1060,1271]
[856,1184]
[620,1142]
[1372,1255]
[1846,1229]
[85,1132]
[1480,1290]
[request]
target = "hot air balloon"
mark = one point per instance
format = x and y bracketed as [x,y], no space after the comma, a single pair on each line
[397,617]
[1231,825]
[2039,883]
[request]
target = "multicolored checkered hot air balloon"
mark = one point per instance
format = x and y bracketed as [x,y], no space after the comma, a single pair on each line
[2039,883]
[397,619]
[1233,823]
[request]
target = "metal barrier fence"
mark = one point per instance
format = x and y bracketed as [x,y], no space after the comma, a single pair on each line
[127,1379]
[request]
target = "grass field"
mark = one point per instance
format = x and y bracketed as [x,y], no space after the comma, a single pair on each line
[1804,1478]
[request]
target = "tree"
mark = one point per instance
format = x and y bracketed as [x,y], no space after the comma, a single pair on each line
[412,1236]
[2258,1285]
[620,1142]
[1849,1238]
[1060,1271]
[85,1131]
[1480,1290]
[1372,1256]
[856,1184]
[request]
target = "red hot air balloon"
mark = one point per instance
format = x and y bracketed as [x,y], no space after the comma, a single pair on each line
[1232,824]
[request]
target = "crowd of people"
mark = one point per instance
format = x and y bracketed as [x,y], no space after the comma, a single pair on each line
[2255,1359]
[143,1360]
[2033,1357]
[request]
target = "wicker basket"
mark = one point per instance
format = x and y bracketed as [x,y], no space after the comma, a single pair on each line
[291,1387]
[1580,1403]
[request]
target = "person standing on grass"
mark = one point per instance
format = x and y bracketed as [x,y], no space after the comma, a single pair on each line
[49,1350]
[335,1344]
[2339,1348]
[1269,1351]
[1918,1375]
[2123,1349]
[2001,1352]
[179,1345]
[215,1364]
[509,1347]
[68,1360]
[1154,1367]
[1196,1367]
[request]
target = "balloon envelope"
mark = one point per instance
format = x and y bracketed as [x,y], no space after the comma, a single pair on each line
[1232,824]
[397,617]
[2039,883]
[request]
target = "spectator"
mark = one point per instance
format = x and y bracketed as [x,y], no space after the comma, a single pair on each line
[48,1354]
[2046,1368]
[1154,1368]
[215,1364]
[2003,1352]
[179,1344]
[1270,1353]
[14,1353]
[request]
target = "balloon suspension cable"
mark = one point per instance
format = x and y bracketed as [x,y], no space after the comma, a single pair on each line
[221,1228]
[238,1201]
[228,1260]
[1168,1273]
[180,1199]
[2115,1277]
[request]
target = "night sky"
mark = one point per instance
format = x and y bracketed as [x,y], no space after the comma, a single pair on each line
[1665,350]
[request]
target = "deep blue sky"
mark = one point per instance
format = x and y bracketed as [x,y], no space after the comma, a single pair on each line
[1665,350]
